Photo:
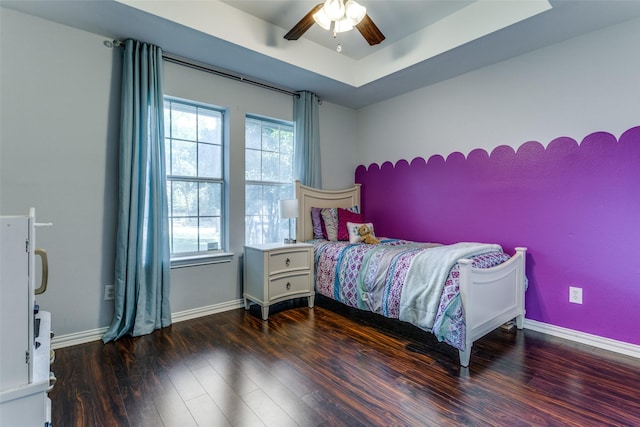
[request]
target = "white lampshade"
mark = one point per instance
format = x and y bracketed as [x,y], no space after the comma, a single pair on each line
[355,11]
[322,19]
[334,9]
[289,208]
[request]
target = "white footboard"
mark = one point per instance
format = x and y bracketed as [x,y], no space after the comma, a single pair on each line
[491,297]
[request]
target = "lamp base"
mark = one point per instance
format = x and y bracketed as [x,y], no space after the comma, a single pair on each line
[289,241]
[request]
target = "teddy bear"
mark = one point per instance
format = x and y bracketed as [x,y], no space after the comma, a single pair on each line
[366,233]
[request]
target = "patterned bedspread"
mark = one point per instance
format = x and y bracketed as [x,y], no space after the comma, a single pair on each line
[372,277]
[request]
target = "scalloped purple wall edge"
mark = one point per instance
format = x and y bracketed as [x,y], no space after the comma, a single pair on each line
[576,207]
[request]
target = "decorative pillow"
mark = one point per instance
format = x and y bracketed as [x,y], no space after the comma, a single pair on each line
[345,216]
[316,220]
[354,235]
[330,222]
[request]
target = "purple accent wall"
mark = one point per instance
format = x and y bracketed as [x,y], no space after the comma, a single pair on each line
[576,207]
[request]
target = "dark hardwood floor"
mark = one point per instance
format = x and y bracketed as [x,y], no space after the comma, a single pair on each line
[329,366]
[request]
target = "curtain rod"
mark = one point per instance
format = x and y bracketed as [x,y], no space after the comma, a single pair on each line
[209,69]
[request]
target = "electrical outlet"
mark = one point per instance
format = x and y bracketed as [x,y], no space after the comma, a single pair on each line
[575,295]
[109,292]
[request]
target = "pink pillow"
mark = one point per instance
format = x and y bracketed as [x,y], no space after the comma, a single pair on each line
[345,216]
[316,220]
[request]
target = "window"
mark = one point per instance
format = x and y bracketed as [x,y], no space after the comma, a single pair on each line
[268,178]
[195,184]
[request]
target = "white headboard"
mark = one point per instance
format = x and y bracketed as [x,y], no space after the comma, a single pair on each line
[313,198]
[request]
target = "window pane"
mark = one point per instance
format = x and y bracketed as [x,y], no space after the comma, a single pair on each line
[252,162]
[270,138]
[271,203]
[185,198]
[286,142]
[184,234]
[286,192]
[209,234]
[253,199]
[270,162]
[285,168]
[209,161]
[253,230]
[252,137]
[210,196]
[183,158]
[183,121]
[209,126]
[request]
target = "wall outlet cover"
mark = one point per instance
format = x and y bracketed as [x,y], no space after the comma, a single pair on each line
[575,295]
[109,292]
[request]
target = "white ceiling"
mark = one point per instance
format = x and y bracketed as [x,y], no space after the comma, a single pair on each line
[399,18]
[427,41]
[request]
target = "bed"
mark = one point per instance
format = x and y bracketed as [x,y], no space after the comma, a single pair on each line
[467,295]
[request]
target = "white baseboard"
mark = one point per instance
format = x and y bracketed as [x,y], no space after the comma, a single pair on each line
[96,334]
[206,311]
[77,338]
[584,338]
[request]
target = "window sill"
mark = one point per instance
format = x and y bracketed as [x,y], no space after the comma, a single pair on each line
[197,260]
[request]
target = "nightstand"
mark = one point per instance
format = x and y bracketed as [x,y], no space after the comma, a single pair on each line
[277,272]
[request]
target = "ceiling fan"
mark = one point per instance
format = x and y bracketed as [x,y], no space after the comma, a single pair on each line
[340,16]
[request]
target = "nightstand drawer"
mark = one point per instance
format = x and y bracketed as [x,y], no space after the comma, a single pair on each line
[276,272]
[287,285]
[287,261]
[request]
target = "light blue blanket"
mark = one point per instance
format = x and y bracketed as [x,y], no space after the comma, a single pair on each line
[426,279]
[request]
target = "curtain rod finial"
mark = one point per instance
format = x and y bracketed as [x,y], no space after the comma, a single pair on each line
[112,43]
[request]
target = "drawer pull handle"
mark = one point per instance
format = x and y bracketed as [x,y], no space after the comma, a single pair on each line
[288,285]
[287,262]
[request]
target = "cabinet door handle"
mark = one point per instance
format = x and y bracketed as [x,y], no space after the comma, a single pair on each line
[45,271]
[288,285]
[287,262]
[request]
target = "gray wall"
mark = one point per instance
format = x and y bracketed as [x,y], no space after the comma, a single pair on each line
[59,115]
[583,85]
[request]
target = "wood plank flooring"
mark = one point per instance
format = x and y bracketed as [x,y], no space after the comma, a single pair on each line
[332,366]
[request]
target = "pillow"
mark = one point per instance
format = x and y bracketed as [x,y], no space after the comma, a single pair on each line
[330,222]
[316,220]
[354,236]
[345,216]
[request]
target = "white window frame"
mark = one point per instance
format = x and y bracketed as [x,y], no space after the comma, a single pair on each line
[180,259]
[285,183]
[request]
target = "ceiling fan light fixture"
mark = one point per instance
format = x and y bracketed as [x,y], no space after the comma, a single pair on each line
[334,9]
[342,16]
[345,24]
[322,19]
[355,11]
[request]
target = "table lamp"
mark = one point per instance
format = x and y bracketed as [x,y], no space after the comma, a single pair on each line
[288,210]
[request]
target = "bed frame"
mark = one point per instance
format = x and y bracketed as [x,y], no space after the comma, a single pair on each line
[490,296]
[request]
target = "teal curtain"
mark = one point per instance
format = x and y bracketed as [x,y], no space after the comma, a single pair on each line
[142,243]
[306,117]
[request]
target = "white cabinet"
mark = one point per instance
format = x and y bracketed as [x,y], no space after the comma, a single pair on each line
[25,336]
[277,272]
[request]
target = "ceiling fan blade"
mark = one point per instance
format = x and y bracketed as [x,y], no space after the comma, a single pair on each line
[303,25]
[370,31]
